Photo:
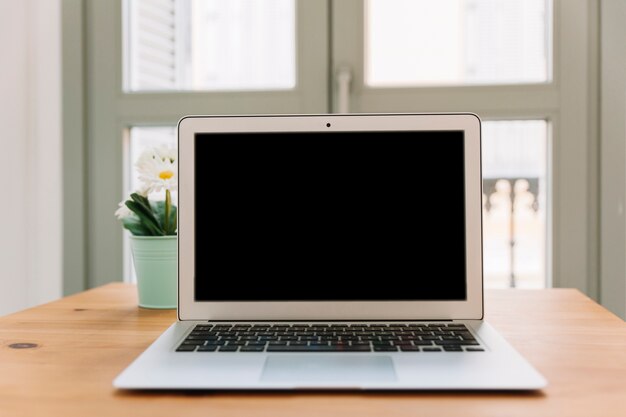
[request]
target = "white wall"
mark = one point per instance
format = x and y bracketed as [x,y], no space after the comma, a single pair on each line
[613,149]
[30,153]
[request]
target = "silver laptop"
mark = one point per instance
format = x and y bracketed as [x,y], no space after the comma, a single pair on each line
[330,251]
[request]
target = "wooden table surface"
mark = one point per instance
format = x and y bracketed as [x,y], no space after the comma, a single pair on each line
[85,340]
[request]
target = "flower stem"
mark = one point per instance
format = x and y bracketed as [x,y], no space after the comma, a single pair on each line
[168,208]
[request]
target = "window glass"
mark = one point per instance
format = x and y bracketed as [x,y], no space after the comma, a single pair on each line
[457,42]
[515,203]
[209,45]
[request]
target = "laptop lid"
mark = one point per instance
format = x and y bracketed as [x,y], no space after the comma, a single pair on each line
[330,217]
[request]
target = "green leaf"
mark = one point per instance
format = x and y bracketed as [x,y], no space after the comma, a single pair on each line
[142,201]
[135,226]
[146,216]
[158,207]
[140,198]
[173,218]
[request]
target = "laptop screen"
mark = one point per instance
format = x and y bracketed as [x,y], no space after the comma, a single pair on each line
[330,216]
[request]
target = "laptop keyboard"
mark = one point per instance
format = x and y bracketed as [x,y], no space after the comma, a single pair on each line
[356,337]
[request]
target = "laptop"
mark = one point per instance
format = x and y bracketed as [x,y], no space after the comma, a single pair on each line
[330,252]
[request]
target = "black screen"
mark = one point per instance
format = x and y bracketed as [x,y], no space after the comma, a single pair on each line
[330,216]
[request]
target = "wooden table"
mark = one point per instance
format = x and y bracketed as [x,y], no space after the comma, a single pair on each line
[85,340]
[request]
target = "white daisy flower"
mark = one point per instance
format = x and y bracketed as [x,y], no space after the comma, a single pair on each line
[158,169]
[122,212]
[143,191]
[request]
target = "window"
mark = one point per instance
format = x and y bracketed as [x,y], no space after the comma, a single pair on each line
[520,66]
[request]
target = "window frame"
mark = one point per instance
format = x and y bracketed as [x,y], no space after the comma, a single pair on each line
[96,114]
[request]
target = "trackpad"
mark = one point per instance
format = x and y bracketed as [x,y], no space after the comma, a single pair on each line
[300,369]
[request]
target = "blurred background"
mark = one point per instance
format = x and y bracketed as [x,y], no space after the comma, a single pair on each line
[88,84]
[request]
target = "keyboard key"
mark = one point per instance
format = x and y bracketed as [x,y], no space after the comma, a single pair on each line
[406,348]
[318,329]
[199,336]
[193,342]
[330,348]
[422,343]
[186,348]
[385,349]
[454,342]
[431,349]
[339,343]
[228,348]
[211,348]
[252,348]
[452,349]
[474,349]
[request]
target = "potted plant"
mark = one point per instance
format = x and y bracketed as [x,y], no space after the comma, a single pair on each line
[152,223]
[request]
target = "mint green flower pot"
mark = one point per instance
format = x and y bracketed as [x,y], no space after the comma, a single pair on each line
[156,265]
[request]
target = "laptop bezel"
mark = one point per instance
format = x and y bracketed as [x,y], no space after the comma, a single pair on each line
[469,309]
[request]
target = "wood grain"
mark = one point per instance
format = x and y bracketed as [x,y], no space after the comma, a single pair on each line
[85,340]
